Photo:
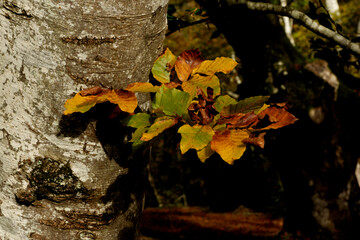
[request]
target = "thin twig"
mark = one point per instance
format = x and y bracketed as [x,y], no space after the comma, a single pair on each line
[188,25]
[303,19]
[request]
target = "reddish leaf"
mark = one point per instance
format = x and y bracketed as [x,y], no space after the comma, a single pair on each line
[239,120]
[172,85]
[203,111]
[186,63]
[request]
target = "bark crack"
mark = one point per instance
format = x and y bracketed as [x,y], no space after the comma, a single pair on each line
[17,10]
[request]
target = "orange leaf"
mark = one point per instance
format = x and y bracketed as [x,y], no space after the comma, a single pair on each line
[126,100]
[142,87]
[278,117]
[186,62]
[229,144]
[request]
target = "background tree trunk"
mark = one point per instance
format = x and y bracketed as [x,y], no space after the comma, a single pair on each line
[71,177]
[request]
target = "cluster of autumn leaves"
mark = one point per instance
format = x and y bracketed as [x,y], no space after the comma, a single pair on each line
[188,96]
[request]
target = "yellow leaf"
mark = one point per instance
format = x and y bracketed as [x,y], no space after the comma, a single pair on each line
[85,99]
[142,87]
[221,64]
[195,137]
[205,153]
[203,82]
[160,125]
[229,144]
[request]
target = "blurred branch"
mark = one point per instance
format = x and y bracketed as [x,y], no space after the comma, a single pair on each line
[303,19]
[187,24]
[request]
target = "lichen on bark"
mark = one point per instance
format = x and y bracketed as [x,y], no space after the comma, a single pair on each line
[46,56]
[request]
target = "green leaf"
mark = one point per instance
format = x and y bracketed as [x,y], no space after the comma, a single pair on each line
[136,137]
[160,125]
[251,104]
[172,101]
[195,137]
[205,153]
[223,101]
[163,66]
[138,120]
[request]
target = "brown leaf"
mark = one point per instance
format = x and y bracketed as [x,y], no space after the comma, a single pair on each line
[257,141]
[172,85]
[278,117]
[186,63]
[93,91]
[239,120]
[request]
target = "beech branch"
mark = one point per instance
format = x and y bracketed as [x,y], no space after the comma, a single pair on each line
[303,19]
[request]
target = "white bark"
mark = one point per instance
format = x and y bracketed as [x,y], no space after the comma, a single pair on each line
[288,23]
[50,50]
[333,7]
[303,19]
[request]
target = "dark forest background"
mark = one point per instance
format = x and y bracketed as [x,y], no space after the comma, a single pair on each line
[305,175]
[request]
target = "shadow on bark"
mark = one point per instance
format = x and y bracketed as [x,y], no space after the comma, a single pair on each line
[127,190]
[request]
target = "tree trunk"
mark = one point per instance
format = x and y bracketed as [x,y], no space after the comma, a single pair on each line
[71,177]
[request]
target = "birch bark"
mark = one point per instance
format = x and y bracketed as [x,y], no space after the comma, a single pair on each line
[61,178]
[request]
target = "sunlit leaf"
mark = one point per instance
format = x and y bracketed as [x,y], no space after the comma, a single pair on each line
[86,99]
[172,101]
[137,120]
[251,104]
[126,100]
[160,125]
[223,101]
[229,144]
[195,137]
[221,64]
[205,153]
[142,87]
[163,66]
[203,82]
[186,62]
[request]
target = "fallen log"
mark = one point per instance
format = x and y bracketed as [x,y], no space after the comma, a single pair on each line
[200,223]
